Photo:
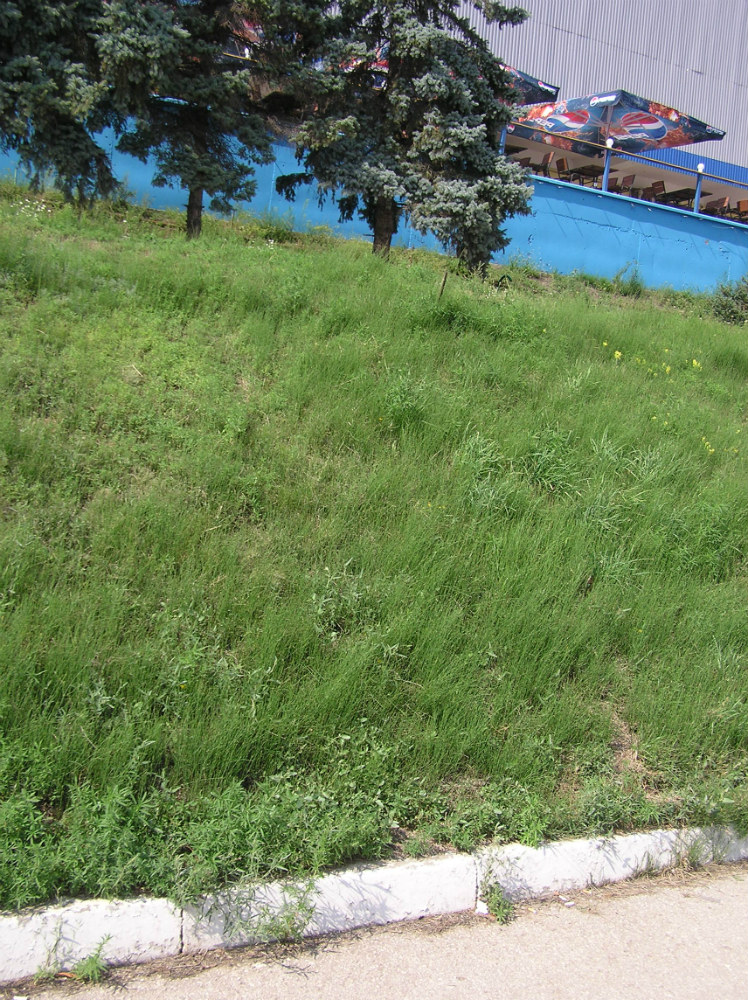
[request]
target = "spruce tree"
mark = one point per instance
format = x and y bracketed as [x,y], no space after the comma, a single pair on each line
[51,95]
[155,72]
[407,113]
[202,127]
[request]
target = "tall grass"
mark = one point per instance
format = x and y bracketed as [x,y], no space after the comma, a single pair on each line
[292,550]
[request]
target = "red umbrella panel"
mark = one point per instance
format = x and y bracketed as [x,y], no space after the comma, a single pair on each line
[634,123]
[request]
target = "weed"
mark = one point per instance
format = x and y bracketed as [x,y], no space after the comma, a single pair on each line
[52,965]
[405,402]
[500,908]
[273,227]
[341,602]
[630,285]
[46,974]
[549,465]
[418,846]
[257,916]
[93,968]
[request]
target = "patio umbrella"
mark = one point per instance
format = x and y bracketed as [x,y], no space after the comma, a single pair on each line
[634,124]
[529,89]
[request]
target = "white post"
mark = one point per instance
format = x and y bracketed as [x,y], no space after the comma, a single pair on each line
[699,178]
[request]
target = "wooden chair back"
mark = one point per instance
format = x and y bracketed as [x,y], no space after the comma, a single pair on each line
[544,166]
[717,206]
[562,169]
[655,192]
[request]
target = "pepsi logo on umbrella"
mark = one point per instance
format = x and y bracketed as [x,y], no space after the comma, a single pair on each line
[566,121]
[640,125]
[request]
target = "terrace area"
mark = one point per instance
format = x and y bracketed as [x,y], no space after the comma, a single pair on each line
[623,144]
[635,175]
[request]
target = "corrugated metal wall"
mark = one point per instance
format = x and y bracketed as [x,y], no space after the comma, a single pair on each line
[690,54]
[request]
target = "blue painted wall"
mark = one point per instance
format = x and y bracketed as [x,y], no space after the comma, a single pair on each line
[581,229]
[571,228]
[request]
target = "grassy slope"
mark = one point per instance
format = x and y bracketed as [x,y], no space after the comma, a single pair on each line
[291,551]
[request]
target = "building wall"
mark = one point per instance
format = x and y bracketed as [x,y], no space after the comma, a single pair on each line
[689,54]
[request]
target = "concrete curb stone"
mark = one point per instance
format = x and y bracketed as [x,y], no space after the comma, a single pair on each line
[356,897]
[526,872]
[58,937]
[139,930]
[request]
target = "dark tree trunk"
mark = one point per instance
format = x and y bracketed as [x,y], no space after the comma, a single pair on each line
[194,213]
[385,225]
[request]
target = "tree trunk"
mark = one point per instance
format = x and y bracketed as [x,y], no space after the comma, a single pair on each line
[194,213]
[385,225]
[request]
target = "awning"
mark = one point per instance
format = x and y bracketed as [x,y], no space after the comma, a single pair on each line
[634,124]
[529,89]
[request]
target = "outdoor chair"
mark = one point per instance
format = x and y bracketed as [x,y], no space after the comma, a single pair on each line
[562,170]
[717,206]
[627,184]
[656,192]
[544,167]
[524,162]
[740,212]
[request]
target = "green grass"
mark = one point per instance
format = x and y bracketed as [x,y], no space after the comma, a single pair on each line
[293,550]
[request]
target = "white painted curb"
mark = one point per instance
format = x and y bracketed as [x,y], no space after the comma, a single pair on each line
[58,937]
[138,930]
[527,873]
[355,897]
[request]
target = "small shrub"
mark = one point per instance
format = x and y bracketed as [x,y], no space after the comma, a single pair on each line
[730,302]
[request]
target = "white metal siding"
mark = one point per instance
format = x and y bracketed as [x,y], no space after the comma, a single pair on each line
[690,54]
